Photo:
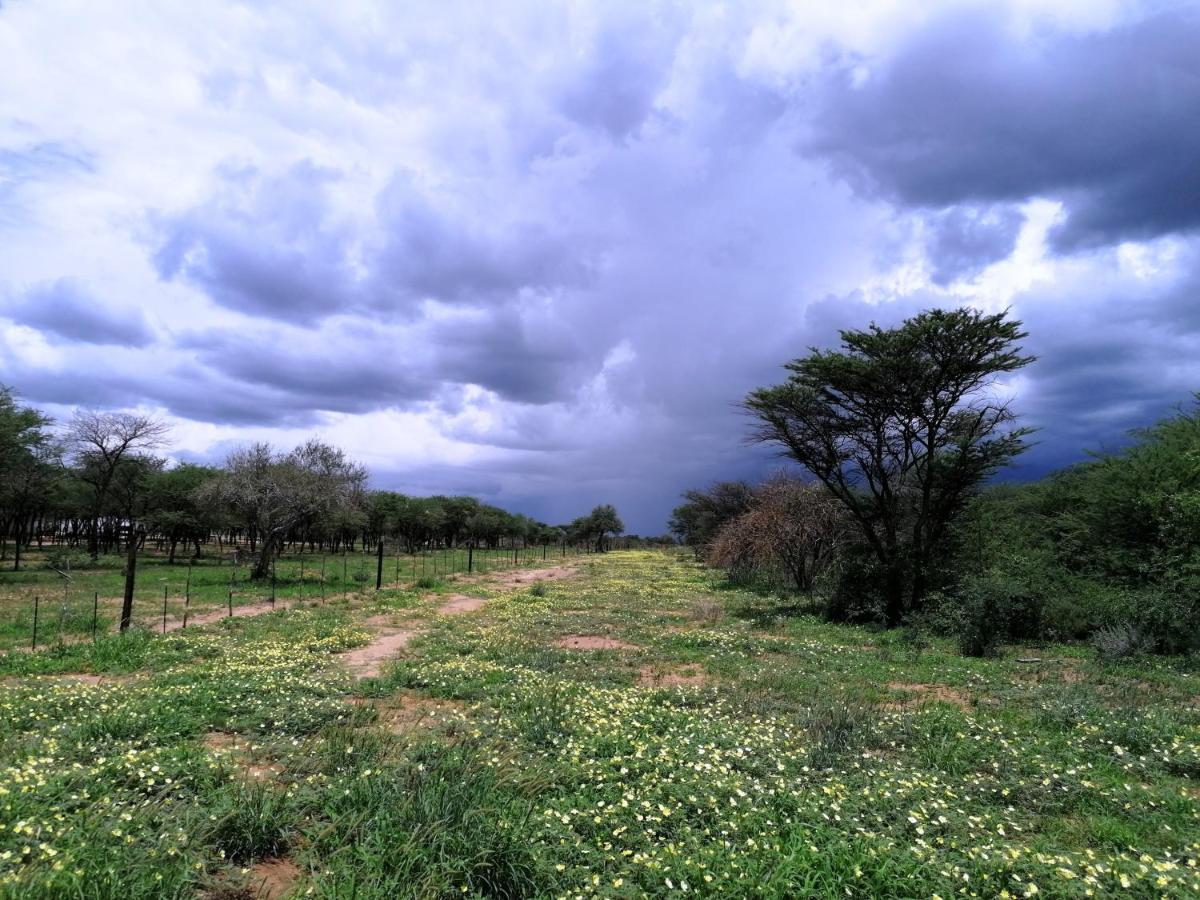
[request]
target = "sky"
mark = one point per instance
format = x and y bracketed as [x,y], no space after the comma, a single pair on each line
[539,252]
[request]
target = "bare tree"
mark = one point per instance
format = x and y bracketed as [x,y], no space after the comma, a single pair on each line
[276,493]
[792,529]
[100,442]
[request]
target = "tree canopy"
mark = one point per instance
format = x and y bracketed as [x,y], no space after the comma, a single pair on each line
[901,425]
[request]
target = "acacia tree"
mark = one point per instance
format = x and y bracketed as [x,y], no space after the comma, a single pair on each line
[100,443]
[900,425]
[174,507]
[276,493]
[29,468]
[602,521]
[704,513]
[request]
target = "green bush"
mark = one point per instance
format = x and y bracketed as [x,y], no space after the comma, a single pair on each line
[996,610]
[63,559]
[855,595]
[252,821]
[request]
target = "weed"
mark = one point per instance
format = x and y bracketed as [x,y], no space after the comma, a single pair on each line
[251,821]
[838,727]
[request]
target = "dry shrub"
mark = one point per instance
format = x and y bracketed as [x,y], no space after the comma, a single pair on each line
[792,532]
[706,610]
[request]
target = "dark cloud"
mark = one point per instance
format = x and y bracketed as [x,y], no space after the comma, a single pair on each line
[615,88]
[968,112]
[269,246]
[67,309]
[264,246]
[70,388]
[347,373]
[598,216]
[965,240]
[194,392]
[1113,355]
[520,360]
[477,255]
[1112,352]
[186,390]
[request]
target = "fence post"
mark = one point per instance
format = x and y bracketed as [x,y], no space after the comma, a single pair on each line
[130,578]
[470,557]
[164,609]
[35,618]
[379,564]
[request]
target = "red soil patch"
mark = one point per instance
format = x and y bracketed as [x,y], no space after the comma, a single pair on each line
[457,604]
[216,615]
[273,879]
[515,578]
[406,712]
[592,642]
[367,661]
[684,676]
[927,693]
[521,578]
[234,748]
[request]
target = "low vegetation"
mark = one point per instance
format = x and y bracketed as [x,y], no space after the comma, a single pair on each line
[635,728]
[901,430]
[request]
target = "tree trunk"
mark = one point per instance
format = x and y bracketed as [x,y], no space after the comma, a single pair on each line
[262,568]
[894,595]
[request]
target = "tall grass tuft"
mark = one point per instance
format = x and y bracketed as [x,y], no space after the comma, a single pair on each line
[252,821]
[443,823]
[839,727]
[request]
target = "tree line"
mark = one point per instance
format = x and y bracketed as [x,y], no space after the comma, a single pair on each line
[895,518]
[98,483]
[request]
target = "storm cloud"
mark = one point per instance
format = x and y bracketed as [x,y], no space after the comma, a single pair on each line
[65,308]
[542,255]
[969,111]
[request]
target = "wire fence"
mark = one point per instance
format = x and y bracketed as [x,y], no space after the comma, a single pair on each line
[41,607]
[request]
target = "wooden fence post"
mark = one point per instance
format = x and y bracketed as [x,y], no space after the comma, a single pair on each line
[379,564]
[130,579]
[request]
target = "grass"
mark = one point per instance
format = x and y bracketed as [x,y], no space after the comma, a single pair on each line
[67,609]
[798,759]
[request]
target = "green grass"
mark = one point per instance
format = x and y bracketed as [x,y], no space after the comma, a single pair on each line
[795,759]
[68,610]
